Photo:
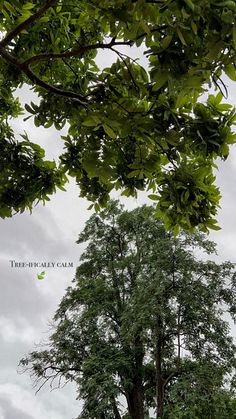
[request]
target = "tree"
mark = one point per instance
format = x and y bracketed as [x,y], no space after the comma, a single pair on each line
[129,127]
[142,324]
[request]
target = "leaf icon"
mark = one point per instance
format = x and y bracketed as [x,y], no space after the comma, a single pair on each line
[41,275]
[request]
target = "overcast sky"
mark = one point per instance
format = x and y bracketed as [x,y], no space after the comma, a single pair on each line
[49,235]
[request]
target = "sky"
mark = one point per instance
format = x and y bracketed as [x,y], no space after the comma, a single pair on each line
[49,235]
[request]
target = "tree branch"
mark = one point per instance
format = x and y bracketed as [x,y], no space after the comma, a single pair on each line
[25,66]
[172,375]
[39,82]
[120,55]
[53,89]
[12,34]
[74,53]
[179,336]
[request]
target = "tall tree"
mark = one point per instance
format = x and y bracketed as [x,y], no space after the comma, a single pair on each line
[129,127]
[142,324]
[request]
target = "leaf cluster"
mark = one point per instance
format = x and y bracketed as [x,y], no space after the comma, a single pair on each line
[131,127]
[25,176]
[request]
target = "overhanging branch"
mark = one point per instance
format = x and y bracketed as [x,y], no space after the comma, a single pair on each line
[25,66]
[39,82]
[78,52]
[53,89]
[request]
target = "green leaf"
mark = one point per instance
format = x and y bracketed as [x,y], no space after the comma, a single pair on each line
[127,192]
[181,37]
[97,207]
[160,79]
[190,4]
[234,36]
[6,15]
[91,121]
[166,41]
[214,227]
[109,131]
[10,8]
[90,207]
[154,197]
[134,173]
[181,100]
[41,276]
[194,27]
[218,98]
[48,124]
[28,6]
[145,27]
[61,188]
[29,109]
[215,50]
[230,71]
[144,74]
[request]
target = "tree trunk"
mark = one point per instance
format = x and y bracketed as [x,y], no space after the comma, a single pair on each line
[160,397]
[115,409]
[135,394]
[159,377]
[135,400]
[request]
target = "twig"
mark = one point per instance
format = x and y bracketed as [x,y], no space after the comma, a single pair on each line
[127,66]
[71,68]
[217,84]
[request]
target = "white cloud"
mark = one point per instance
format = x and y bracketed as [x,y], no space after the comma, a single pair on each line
[1,414]
[11,332]
[24,402]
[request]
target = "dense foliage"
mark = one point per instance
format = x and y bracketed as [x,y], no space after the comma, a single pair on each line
[129,127]
[141,328]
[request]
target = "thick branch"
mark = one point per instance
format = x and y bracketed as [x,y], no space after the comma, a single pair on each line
[8,38]
[173,374]
[74,53]
[8,57]
[39,82]
[53,89]
[25,66]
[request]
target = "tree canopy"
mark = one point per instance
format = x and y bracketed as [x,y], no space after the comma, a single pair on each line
[141,327]
[131,127]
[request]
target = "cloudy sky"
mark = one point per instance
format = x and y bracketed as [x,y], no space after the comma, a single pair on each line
[49,235]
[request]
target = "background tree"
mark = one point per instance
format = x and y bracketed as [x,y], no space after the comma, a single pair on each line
[142,324]
[129,127]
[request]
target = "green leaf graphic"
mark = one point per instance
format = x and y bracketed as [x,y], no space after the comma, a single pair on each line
[41,275]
